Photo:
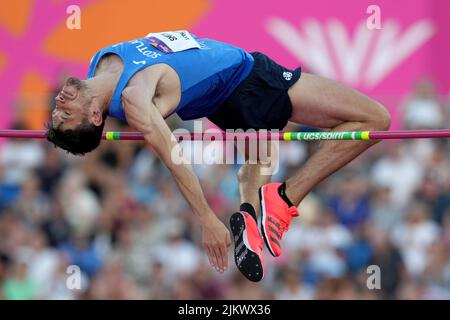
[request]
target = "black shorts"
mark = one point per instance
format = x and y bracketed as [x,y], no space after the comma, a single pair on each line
[261,101]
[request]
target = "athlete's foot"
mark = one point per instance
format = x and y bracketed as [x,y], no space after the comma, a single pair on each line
[248,245]
[276,215]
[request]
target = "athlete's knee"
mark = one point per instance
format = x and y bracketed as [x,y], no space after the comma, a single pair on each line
[242,173]
[380,118]
[383,118]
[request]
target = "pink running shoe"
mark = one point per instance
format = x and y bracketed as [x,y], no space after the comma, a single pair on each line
[248,246]
[276,216]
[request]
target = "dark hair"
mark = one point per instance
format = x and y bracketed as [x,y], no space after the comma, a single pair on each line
[84,138]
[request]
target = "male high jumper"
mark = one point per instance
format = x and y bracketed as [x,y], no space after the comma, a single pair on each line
[144,81]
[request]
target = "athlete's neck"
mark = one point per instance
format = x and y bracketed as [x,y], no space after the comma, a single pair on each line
[101,87]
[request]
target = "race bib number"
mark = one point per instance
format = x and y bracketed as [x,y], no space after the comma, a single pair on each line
[172,41]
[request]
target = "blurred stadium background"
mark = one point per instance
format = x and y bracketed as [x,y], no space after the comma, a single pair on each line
[117,214]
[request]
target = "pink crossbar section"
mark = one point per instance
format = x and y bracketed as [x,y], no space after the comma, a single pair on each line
[373,135]
[409,134]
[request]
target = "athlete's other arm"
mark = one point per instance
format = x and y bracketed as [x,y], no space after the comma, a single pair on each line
[144,116]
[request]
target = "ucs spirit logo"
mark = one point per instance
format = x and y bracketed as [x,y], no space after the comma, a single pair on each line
[326,48]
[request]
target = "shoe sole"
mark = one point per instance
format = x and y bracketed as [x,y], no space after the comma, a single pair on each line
[248,262]
[262,222]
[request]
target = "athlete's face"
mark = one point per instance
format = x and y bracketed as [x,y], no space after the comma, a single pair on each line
[72,104]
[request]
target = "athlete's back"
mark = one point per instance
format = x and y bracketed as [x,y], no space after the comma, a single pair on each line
[209,70]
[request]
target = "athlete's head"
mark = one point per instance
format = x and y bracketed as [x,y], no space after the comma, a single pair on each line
[77,121]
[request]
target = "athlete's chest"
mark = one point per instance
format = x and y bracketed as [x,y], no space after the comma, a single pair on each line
[167,92]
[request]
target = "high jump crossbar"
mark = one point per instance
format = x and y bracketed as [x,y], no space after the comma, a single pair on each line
[261,135]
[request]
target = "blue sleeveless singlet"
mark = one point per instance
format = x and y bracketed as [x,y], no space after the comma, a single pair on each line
[209,70]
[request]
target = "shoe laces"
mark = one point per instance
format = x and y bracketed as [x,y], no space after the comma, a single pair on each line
[285,223]
[284,227]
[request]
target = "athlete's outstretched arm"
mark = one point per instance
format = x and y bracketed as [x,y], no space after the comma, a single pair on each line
[142,115]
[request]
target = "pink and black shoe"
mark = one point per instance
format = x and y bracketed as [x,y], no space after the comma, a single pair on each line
[248,245]
[276,215]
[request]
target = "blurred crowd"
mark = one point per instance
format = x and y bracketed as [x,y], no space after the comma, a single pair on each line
[118,217]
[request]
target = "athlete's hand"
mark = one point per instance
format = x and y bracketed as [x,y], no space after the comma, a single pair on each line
[216,241]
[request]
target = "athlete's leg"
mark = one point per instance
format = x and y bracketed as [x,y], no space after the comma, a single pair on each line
[250,179]
[324,103]
[251,176]
[248,243]
[321,103]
